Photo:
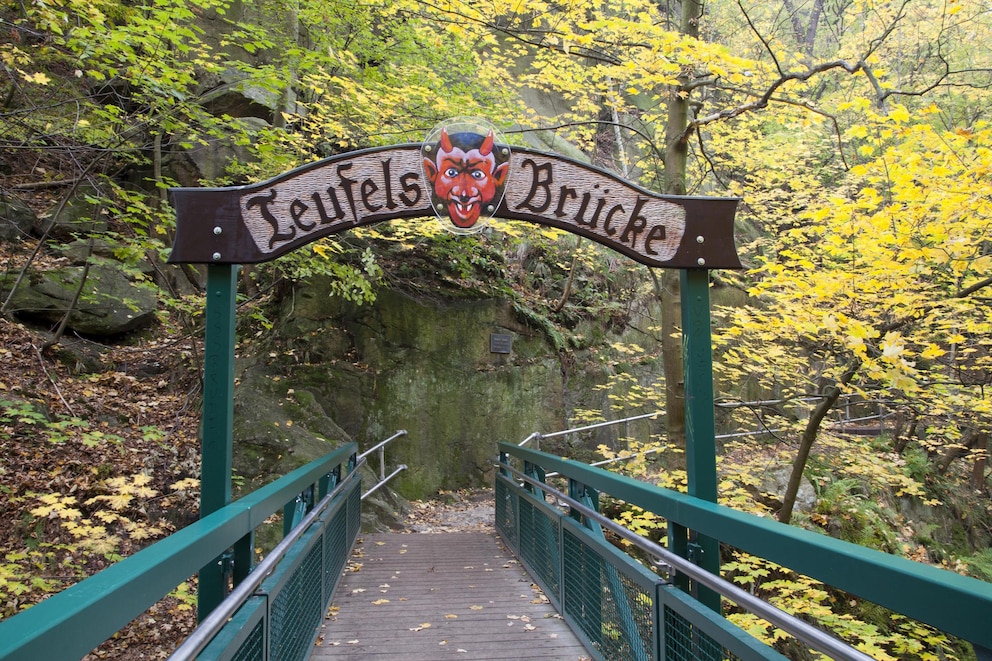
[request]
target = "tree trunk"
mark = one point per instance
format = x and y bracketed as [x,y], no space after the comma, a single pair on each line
[805,34]
[676,156]
[981,463]
[905,427]
[830,396]
[814,24]
[287,102]
[972,440]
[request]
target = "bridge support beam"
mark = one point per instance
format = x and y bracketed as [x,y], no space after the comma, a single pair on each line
[700,425]
[216,434]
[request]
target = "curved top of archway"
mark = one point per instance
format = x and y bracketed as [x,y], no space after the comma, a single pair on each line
[257,223]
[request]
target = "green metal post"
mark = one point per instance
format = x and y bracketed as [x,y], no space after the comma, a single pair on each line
[700,425]
[218,418]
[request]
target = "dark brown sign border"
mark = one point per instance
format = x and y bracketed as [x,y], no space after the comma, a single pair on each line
[257,223]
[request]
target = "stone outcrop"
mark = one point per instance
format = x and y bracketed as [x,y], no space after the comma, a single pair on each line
[339,371]
[16,219]
[110,303]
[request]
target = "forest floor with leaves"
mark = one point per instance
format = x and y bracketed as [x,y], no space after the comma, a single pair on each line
[100,459]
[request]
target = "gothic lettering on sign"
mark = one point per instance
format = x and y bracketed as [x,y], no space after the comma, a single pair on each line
[595,204]
[328,200]
[248,224]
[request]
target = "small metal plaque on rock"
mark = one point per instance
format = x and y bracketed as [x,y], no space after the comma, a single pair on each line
[500,343]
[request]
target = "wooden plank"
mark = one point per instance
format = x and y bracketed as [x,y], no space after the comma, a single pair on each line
[441,595]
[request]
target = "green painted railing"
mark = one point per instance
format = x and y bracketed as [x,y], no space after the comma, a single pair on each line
[73,622]
[276,612]
[958,605]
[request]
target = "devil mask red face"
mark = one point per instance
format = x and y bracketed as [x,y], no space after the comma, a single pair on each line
[465,179]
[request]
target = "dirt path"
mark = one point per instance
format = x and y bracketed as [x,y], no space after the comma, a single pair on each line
[455,511]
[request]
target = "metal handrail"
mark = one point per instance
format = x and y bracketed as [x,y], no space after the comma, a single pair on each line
[94,609]
[670,562]
[381,447]
[212,624]
[538,435]
[605,462]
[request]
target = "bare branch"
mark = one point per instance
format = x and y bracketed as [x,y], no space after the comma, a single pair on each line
[709,159]
[968,291]
[600,122]
[805,105]
[525,35]
[761,38]
[702,81]
[58,391]
[769,94]
[880,39]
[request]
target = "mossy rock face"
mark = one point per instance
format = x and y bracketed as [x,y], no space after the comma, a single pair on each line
[110,302]
[277,427]
[80,216]
[437,378]
[16,219]
[334,371]
[425,365]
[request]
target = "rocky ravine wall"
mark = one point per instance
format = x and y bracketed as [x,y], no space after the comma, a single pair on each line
[337,372]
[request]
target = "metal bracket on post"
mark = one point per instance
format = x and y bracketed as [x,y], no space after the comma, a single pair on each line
[504,460]
[294,512]
[535,471]
[329,481]
[226,563]
[694,552]
[588,497]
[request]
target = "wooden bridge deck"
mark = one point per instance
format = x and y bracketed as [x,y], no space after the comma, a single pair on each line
[431,596]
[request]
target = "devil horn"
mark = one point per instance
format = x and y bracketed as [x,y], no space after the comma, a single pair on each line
[445,141]
[487,145]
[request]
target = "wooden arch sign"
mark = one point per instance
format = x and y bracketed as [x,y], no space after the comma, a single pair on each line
[257,223]
[461,180]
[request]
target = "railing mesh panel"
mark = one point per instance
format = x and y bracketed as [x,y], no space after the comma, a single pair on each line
[354,510]
[619,608]
[506,513]
[615,613]
[335,549]
[540,538]
[685,642]
[253,648]
[297,610]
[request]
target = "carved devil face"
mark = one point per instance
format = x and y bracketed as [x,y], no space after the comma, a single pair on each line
[465,178]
